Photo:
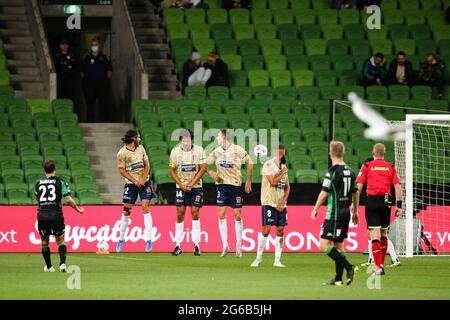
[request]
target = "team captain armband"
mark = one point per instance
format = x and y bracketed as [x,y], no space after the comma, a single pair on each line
[173,165]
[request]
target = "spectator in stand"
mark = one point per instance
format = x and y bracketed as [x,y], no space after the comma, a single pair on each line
[219,71]
[343,4]
[432,73]
[363,4]
[184,4]
[400,70]
[236,4]
[193,72]
[374,72]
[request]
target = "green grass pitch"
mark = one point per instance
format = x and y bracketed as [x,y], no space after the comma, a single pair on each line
[161,276]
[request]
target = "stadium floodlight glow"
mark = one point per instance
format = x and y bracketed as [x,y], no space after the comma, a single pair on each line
[72,9]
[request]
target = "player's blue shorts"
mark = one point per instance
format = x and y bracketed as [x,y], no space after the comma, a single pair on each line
[194,198]
[131,192]
[228,195]
[271,216]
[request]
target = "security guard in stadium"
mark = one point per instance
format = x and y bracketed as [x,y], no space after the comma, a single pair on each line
[379,175]
[66,70]
[96,72]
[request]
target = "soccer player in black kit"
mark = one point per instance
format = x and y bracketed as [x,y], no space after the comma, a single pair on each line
[50,191]
[339,186]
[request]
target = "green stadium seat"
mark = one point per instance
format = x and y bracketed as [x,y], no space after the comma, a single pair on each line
[303,78]
[327,16]
[342,62]
[177,31]
[305,17]
[39,105]
[253,62]
[398,31]
[248,46]
[262,93]
[359,90]
[421,92]
[331,92]
[420,32]
[286,92]
[213,3]
[283,16]
[293,46]
[382,45]
[244,31]
[12,176]
[5,77]
[280,78]
[425,46]
[275,62]
[415,17]
[311,31]
[199,31]
[307,176]
[278,4]
[195,92]
[377,34]
[392,17]
[270,46]
[173,15]
[298,62]
[300,4]
[239,16]
[325,78]
[315,46]
[62,105]
[266,31]
[233,61]
[376,92]
[320,62]
[337,47]
[348,17]
[221,31]
[406,45]
[258,78]
[354,32]
[195,16]
[287,32]
[308,93]
[226,46]
[238,78]
[332,31]
[259,4]
[218,93]
[204,46]
[217,16]
[399,92]
[261,16]
[240,93]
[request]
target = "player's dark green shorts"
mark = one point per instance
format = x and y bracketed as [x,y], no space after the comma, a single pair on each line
[335,230]
[51,225]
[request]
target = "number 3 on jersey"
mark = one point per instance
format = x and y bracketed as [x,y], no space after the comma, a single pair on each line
[48,193]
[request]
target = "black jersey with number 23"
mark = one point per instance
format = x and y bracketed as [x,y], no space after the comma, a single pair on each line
[340,183]
[50,192]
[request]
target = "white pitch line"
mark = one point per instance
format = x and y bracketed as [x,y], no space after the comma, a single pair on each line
[137,259]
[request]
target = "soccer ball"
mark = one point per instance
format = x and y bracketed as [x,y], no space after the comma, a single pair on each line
[102,246]
[260,150]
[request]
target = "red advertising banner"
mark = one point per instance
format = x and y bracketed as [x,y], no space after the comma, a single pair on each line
[18,230]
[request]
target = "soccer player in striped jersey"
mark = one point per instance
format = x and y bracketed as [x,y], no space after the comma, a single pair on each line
[339,187]
[229,158]
[275,190]
[186,167]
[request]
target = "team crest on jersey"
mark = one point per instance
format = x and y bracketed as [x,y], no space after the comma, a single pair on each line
[238,200]
[198,198]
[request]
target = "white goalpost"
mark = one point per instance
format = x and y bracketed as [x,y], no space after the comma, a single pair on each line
[423,164]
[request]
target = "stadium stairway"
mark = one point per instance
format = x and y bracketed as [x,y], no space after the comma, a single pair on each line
[22,61]
[103,141]
[154,49]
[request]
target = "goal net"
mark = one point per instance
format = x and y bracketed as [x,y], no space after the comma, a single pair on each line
[423,164]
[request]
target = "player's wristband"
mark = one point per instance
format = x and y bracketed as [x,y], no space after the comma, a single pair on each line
[399,204]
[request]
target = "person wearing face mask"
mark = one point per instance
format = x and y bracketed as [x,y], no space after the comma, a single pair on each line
[186,167]
[193,72]
[219,71]
[275,190]
[66,68]
[133,164]
[96,72]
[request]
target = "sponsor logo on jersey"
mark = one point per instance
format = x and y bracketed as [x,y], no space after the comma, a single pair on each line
[226,164]
[188,168]
[137,166]
[379,169]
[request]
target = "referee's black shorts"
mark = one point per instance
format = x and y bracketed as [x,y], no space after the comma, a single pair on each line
[378,213]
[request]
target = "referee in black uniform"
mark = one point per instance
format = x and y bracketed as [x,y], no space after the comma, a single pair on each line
[50,192]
